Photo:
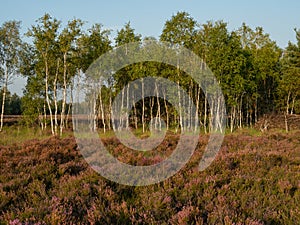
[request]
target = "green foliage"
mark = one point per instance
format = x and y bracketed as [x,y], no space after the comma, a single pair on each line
[127,35]
[289,80]
[180,30]
[92,45]
[10,47]
[10,43]
[12,104]
[256,78]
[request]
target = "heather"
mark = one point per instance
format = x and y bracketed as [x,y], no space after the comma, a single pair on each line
[255,179]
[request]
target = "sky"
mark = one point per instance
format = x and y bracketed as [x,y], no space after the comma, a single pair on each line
[278,18]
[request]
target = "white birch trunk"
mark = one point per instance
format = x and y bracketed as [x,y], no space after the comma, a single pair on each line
[158,117]
[47,97]
[167,110]
[55,98]
[102,110]
[205,114]
[63,108]
[3,99]
[143,107]
[127,107]
[197,109]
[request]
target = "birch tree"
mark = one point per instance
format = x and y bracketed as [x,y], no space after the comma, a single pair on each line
[180,30]
[10,45]
[124,76]
[91,46]
[289,82]
[66,41]
[44,36]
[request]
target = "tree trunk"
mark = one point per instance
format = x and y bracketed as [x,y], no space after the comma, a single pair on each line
[158,117]
[70,105]
[135,112]
[218,118]
[293,105]
[247,113]
[127,107]
[112,113]
[211,118]
[45,115]
[102,110]
[143,107]
[205,114]
[121,111]
[110,116]
[288,103]
[287,112]
[135,115]
[55,98]
[255,111]
[286,123]
[3,99]
[95,117]
[197,109]
[180,107]
[190,108]
[233,118]
[179,100]
[63,108]
[151,112]
[167,111]
[47,97]
[56,109]
[69,112]
[241,113]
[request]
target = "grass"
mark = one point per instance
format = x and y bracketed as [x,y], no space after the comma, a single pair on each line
[245,130]
[19,134]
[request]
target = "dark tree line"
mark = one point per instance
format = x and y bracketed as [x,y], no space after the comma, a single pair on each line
[256,76]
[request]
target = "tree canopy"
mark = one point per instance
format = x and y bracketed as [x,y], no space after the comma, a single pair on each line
[256,76]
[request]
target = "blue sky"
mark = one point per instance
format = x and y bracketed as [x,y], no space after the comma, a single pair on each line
[278,18]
